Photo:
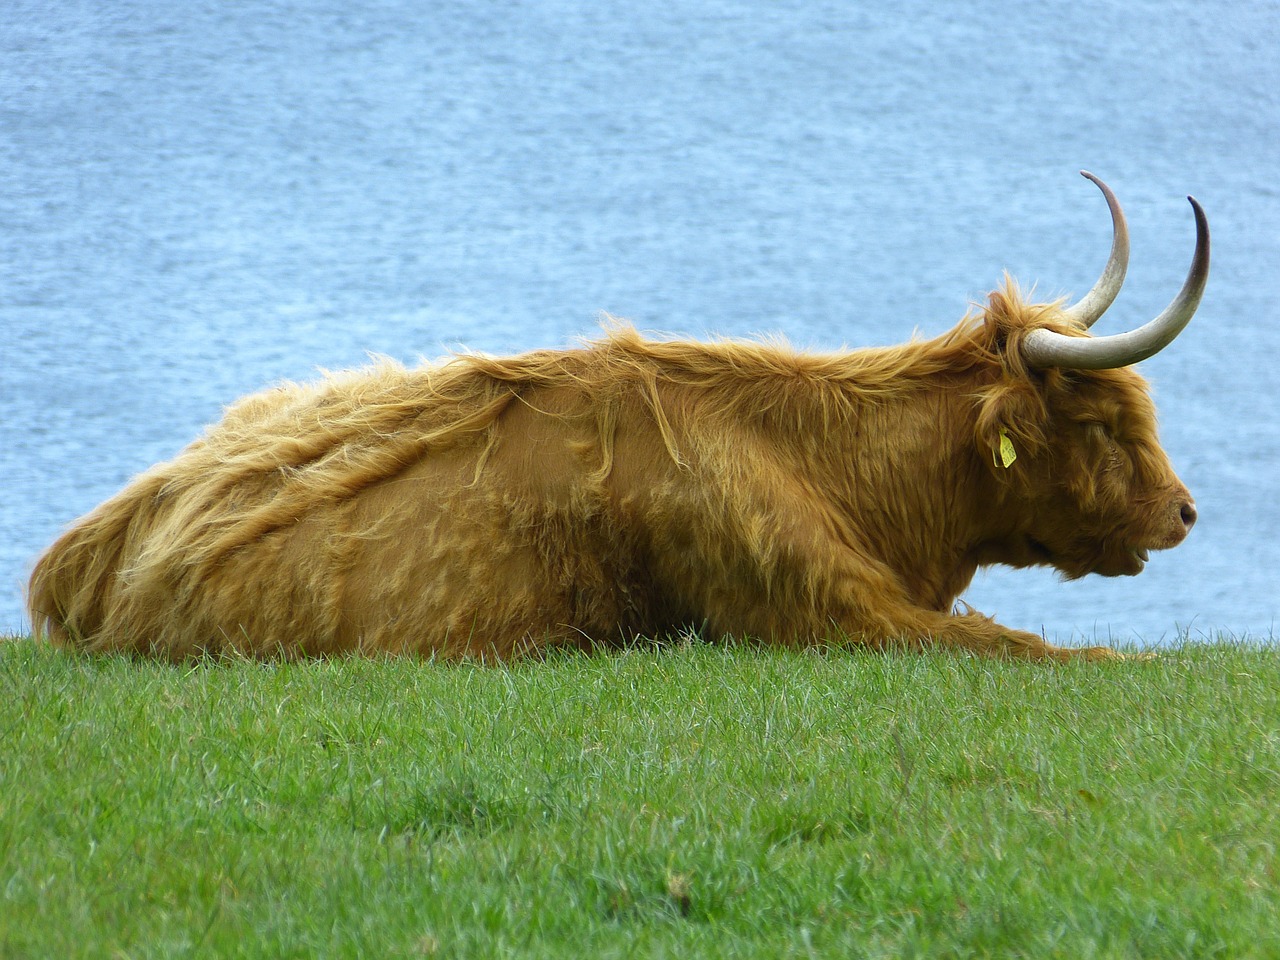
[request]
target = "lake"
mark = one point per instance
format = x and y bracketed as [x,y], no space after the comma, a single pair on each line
[200,199]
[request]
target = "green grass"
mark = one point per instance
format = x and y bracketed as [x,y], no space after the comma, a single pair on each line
[695,802]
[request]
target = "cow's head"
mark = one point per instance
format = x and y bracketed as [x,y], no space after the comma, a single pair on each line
[1069,430]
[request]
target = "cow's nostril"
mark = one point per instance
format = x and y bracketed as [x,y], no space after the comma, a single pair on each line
[1188,515]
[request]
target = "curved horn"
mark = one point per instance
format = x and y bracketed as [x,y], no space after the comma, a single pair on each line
[1045,348]
[1094,303]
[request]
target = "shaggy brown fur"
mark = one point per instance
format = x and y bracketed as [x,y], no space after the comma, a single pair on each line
[492,507]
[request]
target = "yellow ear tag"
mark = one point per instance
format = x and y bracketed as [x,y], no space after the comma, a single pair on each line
[1005,456]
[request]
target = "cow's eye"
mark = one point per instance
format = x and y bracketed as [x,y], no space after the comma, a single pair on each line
[1098,433]
[1110,452]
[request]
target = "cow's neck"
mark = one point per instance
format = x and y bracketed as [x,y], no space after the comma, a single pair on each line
[913,491]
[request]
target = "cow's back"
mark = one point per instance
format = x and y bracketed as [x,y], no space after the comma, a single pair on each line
[477,520]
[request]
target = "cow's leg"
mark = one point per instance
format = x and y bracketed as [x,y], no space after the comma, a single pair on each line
[825,593]
[867,606]
[971,632]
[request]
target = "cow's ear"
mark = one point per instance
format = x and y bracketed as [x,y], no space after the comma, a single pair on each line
[1010,425]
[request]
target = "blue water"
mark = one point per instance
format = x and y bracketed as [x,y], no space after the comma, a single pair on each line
[199,199]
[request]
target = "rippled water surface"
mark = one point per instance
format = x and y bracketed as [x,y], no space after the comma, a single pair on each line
[199,199]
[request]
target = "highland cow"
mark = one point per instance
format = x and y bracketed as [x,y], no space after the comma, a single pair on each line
[630,488]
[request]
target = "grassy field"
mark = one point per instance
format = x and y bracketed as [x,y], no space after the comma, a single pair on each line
[695,802]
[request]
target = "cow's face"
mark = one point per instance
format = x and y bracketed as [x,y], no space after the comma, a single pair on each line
[1094,492]
[1098,493]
